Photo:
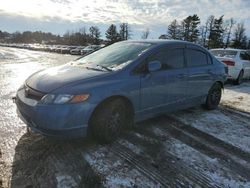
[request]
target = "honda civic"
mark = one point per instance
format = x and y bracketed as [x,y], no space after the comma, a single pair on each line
[106,91]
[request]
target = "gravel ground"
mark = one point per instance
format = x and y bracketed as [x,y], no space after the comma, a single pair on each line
[189,148]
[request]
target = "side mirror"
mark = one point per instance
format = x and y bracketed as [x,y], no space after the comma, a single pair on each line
[154,66]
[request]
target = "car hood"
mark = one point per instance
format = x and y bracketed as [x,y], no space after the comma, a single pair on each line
[56,77]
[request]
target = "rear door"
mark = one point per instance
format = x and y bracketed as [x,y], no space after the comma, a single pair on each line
[200,72]
[168,85]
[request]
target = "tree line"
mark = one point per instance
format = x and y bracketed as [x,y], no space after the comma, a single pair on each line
[215,33]
[81,37]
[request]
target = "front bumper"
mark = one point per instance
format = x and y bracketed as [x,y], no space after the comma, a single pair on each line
[66,121]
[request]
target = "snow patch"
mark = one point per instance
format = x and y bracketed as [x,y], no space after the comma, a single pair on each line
[65,181]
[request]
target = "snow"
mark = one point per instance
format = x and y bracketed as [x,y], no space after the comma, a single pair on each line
[204,164]
[64,181]
[131,146]
[237,97]
[114,171]
[222,126]
[228,127]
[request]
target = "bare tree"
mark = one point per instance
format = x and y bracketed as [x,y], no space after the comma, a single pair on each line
[145,34]
[240,38]
[124,31]
[229,31]
[208,28]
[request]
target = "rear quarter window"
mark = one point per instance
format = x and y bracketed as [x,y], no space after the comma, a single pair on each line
[197,58]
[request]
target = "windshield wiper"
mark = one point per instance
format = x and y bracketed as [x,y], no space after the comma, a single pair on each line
[92,68]
[106,68]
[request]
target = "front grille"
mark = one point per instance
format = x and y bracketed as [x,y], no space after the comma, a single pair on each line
[33,94]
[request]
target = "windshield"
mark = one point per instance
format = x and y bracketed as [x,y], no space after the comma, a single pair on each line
[115,56]
[224,53]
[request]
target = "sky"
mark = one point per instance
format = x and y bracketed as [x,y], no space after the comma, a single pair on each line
[59,16]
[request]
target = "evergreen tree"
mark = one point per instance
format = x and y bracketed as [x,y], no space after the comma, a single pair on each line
[174,30]
[216,34]
[95,34]
[190,28]
[111,34]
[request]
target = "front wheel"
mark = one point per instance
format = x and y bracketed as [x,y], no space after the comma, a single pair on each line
[213,97]
[110,119]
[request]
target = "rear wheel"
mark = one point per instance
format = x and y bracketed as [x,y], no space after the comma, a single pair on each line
[240,78]
[110,119]
[213,97]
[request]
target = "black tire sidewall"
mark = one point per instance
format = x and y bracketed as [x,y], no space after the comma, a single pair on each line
[209,103]
[101,129]
[238,81]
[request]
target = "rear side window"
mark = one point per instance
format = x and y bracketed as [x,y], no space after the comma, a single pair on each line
[224,53]
[244,56]
[170,58]
[196,58]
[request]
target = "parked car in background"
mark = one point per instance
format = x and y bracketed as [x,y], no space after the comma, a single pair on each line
[66,49]
[106,91]
[90,49]
[238,62]
[77,51]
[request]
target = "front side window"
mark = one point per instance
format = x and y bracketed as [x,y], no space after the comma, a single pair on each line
[196,58]
[170,58]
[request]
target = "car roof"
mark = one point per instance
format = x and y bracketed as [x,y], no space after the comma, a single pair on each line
[159,41]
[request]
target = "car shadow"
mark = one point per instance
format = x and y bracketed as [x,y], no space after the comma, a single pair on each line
[42,162]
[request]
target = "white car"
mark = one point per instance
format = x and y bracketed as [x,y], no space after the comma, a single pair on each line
[237,61]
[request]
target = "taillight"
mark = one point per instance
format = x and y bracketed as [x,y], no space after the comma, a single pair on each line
[229,63]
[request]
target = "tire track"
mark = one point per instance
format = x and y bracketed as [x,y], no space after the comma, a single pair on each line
[235,158]
[167,167]
[236,113]
[140,164]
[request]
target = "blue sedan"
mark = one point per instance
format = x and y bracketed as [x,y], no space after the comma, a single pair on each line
[108,90]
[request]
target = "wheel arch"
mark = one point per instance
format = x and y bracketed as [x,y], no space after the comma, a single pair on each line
[110,98]
[221,83]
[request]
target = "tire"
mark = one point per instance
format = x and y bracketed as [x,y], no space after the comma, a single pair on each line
[110,119]
[239,80]
[213,97]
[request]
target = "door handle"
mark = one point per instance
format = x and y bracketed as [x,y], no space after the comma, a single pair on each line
[209,71]
[181,75]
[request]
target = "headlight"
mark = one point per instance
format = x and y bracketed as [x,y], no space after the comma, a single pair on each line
[63,98]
